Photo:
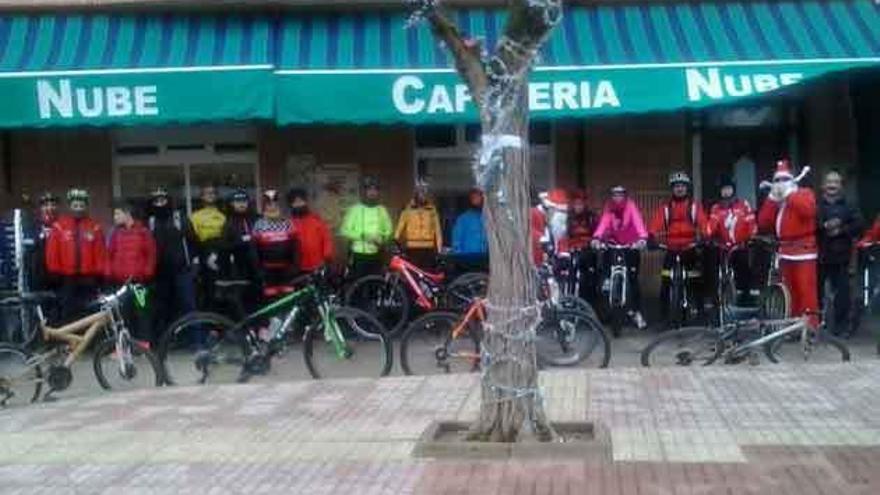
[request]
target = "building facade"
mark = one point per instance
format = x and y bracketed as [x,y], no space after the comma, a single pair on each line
[121,101]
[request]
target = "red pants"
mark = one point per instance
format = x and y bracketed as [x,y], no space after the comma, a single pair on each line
[800,278]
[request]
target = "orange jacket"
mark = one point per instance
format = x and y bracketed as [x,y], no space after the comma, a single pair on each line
[682,221]
[793,222]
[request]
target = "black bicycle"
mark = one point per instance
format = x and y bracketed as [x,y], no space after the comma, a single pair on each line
[681,300]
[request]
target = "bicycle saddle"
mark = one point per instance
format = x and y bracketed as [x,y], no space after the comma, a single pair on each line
[742,312]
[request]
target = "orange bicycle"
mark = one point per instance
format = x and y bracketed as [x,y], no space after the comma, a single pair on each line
[445,342]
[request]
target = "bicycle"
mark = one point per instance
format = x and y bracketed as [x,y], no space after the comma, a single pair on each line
[616,285]
[117,355]
[869,255]
[390,297]
[450,342]
[337,341]
[775,298]
[748,332]
[682,304]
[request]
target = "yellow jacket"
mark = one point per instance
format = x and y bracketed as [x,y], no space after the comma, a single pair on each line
[208,223]
[419,227]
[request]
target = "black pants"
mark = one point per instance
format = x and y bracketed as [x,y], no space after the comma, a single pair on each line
[469,263]
[75,295]
[586,273]
[837,275]
[424,258]
[366,264]
[171,295]
[139,320]
[691,261]
[633,260]
[742,272]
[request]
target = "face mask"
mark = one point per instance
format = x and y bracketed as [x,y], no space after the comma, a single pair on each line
[162,212]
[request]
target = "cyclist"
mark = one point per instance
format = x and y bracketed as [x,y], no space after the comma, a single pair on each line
[208,224]
[789,212]
[46,216]
[469,242]
[869,244]
[418,229]
[579,232]
[731,225]
[276,245]
[239,261]
[131,255]
[315,242]
[621,223]
[76,254]
[174,288]
[367,226]
[682,221]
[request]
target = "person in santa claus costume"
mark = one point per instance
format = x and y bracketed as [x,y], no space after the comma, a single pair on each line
[789,212]
[549,222]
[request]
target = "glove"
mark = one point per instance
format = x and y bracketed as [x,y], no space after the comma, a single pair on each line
[596,244]
[640,244]
[211,262]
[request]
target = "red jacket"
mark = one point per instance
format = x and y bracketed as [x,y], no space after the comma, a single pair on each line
[315,242]
[793,221]
[538,225]
[732,224]
[681,220]
[131,253]
[872,235]
[75,246]
[580,232]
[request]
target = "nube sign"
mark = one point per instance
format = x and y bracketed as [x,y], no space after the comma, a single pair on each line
[63,99]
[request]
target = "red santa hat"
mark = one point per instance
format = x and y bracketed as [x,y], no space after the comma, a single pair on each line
[783,170]
[555,198]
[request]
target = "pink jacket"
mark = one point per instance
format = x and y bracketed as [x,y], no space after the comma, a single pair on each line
[622,229]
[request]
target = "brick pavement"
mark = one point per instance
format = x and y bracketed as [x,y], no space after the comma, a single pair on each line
[769,429]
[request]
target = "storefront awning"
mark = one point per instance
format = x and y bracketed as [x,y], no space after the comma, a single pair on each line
[603,59]
[68,70]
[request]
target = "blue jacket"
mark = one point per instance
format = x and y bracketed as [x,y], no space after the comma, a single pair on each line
[468,234]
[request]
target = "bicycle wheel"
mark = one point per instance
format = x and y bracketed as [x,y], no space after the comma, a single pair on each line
[570,338]
[465,289]
[618,313]
[775,302]
[20,381]
[676,305]
[202,347]
[790,349]
[387,300]
[141,369]
[427,346]
[689,346]
[363,351]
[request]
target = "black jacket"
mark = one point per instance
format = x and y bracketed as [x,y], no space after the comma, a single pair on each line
[173,249]
[240,260]
[836,244]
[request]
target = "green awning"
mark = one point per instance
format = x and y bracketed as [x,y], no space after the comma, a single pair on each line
[69,70]
[603,59]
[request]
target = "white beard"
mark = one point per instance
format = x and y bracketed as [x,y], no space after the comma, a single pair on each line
[557,223]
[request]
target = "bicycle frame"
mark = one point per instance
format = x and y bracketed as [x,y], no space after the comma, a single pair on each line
[789,325]
[618,270]
[412,275]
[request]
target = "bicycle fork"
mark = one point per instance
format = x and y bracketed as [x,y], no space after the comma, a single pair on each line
[332,332]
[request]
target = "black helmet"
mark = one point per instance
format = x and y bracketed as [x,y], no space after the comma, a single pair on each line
[159,192]
[239,194]
[370,182]
[297,193]
[726,181]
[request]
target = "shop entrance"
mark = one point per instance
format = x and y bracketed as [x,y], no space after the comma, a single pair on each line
[445,156]
[183,161]
[744,145]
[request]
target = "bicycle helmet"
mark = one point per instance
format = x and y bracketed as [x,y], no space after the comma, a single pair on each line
[75,194]
[270,195]
[679,177]
[48,197]
[159,192]
[618,190]
[239,195]
[370,182]
[297,193]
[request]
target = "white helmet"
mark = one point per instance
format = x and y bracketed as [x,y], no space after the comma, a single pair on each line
[679,177]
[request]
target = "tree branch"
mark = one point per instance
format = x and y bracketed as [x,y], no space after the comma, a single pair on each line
[466,52]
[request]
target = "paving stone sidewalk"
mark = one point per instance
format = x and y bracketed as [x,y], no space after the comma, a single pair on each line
[770,429]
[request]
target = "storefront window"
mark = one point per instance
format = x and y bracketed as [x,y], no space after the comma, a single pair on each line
[435,136]
[225,176]
[138,181]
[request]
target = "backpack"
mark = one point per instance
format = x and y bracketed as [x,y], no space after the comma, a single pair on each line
[667,213]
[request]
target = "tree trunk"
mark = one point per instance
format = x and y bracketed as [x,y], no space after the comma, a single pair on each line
[511,406]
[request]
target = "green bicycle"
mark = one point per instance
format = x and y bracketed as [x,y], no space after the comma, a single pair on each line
[337,341]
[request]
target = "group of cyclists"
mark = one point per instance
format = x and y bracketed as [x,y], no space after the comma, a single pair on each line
[182,258]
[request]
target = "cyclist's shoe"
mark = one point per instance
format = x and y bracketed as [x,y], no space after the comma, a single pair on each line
[638,320]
